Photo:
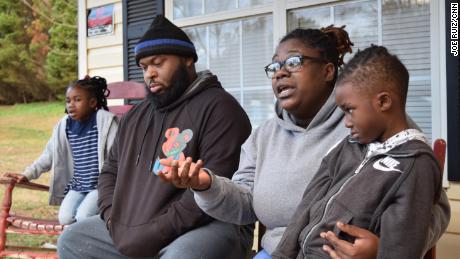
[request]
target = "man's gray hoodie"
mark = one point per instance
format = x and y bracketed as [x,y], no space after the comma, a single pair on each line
[277,163]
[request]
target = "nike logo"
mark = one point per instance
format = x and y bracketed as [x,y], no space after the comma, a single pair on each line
[387,164]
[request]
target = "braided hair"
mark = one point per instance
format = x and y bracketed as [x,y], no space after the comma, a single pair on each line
[376,67]
[332,43]
[97,87]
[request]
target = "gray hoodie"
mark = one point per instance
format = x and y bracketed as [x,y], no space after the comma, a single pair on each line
[277,163]
[57,155]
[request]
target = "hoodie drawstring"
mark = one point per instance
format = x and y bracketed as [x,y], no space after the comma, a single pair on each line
[158,140]
[145,133]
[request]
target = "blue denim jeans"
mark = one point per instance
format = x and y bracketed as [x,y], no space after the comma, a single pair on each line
[262,254]
[77,206]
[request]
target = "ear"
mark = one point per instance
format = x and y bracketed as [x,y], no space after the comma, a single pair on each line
[329,70]
[384,101]
[189,61]
[93,103]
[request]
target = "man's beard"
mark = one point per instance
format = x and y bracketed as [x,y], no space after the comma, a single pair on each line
[178,86]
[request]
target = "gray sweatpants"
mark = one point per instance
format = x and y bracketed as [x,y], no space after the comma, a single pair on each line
[89,239]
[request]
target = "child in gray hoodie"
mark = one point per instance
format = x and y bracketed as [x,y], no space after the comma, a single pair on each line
[383,177]
[76,151]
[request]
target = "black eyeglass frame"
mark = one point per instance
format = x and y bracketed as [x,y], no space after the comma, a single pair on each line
[282,63]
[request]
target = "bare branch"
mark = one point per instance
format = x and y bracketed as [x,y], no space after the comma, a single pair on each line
[47,17]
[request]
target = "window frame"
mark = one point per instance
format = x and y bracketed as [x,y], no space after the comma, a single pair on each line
[280,8]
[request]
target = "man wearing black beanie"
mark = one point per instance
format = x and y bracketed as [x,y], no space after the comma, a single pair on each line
[185,114]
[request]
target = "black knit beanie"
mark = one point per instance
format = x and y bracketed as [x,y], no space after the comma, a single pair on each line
[163,37]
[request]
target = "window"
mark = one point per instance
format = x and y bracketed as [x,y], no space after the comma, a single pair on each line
[190,8]
[237,51]
[401,26]
[236,39]
[406,32]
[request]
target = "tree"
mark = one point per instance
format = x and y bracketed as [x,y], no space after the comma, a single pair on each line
[62,58]
[18,77]
[38,49]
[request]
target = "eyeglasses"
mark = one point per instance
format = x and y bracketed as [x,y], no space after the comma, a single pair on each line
[291,64]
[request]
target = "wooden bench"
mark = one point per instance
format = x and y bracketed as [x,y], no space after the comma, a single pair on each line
[124,95]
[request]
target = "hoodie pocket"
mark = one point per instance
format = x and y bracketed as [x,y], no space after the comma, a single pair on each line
[345,218]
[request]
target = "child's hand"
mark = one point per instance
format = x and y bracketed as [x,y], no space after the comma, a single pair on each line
[185,174]
[19,178]
[365,246]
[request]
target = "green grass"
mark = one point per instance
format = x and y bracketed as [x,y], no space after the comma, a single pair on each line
[41,108]
[24,132]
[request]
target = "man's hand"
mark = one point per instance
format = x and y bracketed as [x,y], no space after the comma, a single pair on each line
[185,174]
[19,178]
[365,245]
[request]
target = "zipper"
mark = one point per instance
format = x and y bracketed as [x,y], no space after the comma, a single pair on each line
[357,171]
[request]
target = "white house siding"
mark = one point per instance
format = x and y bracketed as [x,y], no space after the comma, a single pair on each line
[448,246]
[103,55]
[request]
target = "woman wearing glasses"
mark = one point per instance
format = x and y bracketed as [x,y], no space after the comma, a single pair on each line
[280,158]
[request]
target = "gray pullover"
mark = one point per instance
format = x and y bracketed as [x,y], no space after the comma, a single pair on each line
[277,163]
